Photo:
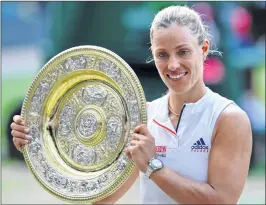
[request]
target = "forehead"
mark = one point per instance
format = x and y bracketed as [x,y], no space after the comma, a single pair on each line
[173,35]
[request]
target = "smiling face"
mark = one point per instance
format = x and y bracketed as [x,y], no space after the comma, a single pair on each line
[178,57]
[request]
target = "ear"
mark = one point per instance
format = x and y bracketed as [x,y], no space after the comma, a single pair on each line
[205,48]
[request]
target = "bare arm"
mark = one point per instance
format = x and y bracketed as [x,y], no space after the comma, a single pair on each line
[228,165]
[122,190]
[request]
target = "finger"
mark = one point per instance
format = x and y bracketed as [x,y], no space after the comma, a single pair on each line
[21,135]
[130,149]
[137,129]
[135,142]
[18,120]
[19,128]
[139,137]
[141,129]
[128,154]
[19,143]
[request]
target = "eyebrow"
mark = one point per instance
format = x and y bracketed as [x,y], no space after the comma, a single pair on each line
[179,46]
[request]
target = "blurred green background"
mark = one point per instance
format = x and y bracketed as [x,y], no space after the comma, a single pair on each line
[33,32]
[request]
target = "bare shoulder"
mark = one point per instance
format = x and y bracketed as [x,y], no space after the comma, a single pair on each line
[233,114]
[233,122]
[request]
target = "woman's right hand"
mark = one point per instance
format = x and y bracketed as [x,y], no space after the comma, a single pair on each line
[19,132]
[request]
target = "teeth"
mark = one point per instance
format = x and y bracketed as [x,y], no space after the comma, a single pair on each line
[177,76]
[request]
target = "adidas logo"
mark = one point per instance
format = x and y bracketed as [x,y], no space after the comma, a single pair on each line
[199,146]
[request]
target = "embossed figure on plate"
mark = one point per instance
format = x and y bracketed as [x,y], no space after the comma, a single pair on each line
[87,124]
[94,94]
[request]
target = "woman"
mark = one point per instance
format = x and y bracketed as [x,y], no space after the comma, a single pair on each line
[196,146]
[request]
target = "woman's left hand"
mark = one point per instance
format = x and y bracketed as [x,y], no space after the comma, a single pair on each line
[142,147]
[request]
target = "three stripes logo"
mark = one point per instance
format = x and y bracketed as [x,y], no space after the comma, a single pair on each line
[199,146]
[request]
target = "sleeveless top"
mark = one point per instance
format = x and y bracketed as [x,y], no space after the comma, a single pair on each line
[185,150]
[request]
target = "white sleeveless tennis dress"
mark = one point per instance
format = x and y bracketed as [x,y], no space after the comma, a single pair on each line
[186,150]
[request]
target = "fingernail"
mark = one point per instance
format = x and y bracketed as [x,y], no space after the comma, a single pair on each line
[22,123]
[27,130]
[28,137]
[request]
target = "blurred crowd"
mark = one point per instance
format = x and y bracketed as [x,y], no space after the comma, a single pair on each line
[238,31]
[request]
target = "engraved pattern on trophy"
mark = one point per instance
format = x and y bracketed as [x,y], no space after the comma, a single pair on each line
[35,148]
[63,135]
[115,169]
[60,182]
[75,63]
[110,69]
[53,75]
[114,129]
[112,105]
[82,188]
[34,132]
[56,180]
[94,94]
[71,186]
[133,108]
[35,106]
[125,86]
[90,61]
[64,144]
[103,180]
[65,118]
[69,111]
[33,122]
[121,164]
[40,163]
[131,101]
[51,175]
[65,127]
[83,155]
[100,153]
[39,97]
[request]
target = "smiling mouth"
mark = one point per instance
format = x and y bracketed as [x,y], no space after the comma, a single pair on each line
[177,76]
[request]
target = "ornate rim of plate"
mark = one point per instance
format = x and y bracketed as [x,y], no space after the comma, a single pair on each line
[82,108]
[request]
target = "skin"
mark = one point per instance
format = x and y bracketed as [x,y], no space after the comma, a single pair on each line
[177,51]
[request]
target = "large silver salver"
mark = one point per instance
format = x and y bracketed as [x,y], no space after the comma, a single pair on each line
[81,109]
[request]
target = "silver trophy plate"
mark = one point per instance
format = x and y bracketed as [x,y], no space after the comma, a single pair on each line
[81,109]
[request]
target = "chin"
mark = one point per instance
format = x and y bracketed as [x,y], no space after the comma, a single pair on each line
[179,90]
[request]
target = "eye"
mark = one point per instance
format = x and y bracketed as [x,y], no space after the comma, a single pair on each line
[183,52]
[162,54]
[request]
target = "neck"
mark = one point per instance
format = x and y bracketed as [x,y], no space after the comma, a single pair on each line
[177,100]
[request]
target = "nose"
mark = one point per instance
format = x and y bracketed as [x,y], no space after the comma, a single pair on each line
[174,63]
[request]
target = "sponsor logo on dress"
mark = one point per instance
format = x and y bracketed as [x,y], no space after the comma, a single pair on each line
[161,151]
[199,146]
